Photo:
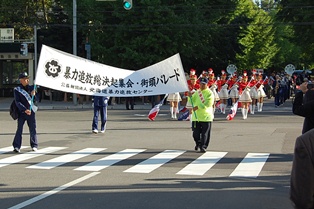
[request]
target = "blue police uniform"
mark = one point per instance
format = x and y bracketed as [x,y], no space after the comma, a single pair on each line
[100,108]
[23,104]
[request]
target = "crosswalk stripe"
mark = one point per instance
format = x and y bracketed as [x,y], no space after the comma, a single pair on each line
[155,162]
[251,165]
[26,156]
[202,164]
[109,160]
[10,149]
[49,164]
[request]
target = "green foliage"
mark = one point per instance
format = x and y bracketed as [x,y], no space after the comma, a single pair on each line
[206,33]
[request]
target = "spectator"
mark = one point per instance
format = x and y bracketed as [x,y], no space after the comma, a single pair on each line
[302,173]
[304,105]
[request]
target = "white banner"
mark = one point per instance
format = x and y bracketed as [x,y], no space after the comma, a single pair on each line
[68,73]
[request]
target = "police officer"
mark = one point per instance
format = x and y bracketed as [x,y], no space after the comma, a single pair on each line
[100,104]
[23,98]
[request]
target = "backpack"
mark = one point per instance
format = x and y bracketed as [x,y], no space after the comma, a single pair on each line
[14,111]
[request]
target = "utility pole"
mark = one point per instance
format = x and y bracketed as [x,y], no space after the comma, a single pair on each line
[74,40]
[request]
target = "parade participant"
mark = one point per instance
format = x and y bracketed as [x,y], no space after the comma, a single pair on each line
[212,84]
[223,91]
[233,87]
[277,88]
[202,116]
[174,99]
[192,72]
[23,99]
[260,91]
[193,86]
[253,92]
[245,98]
[100,104]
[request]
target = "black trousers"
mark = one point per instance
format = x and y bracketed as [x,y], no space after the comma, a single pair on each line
[129,101]
[201,133]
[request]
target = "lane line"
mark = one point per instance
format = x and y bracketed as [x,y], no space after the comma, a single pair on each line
[29,155]
[155,162]
[109,160]
[54,191]
[49,164]
[251,165]
[202,164]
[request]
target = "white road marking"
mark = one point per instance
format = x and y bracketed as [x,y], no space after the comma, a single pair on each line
[10,149]
[251,165]
[202,164]
[109,160]
[54,191]
[155,162]
[26,156]
[49,164]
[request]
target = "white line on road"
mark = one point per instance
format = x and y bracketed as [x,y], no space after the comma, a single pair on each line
[10,149]
[49,164]
[155,162]
[251,165]
[109,160]
[54,191]
[29,155]
[202,164]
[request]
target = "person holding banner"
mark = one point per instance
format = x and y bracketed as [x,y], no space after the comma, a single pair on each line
[23,96]
[202,116]
[100,104]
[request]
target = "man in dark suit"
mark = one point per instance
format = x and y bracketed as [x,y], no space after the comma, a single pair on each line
[23,99]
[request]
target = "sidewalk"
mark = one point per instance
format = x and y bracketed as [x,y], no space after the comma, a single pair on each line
[61,105]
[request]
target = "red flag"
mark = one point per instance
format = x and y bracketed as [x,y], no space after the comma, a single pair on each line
[233,111]
[154,112]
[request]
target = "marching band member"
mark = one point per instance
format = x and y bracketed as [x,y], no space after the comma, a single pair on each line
[233,87]
[245,97]
[212,84]
[253,92]
[193,86]
[223,91]
[174,99]
[260,91]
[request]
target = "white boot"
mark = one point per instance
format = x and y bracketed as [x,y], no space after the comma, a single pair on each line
[253,109]
[175,112]
[246,111]
[261,107]
[223,108]
[171,111]
[258,107]
[243,114]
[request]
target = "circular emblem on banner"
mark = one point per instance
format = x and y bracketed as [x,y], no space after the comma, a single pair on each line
[52,68]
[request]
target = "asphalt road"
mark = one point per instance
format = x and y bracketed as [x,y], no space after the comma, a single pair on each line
[142,164]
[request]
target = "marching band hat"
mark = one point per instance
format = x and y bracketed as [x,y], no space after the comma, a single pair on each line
[192,71]
[254,71]
[223,72]
[244,73]
[204,80]
[204,72]
[23,75]
[210,71]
